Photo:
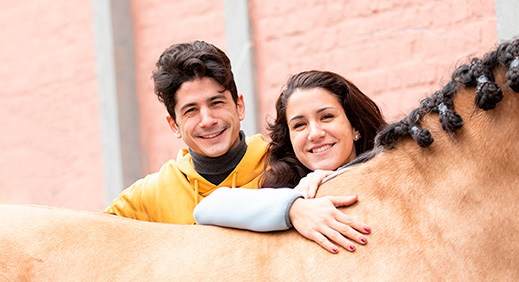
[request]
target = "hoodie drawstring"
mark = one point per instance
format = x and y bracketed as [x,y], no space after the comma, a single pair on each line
[234,180]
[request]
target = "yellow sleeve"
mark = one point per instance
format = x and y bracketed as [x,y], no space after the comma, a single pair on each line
[131,202]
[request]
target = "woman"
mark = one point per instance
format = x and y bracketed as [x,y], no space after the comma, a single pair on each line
[342,115]
[323,122]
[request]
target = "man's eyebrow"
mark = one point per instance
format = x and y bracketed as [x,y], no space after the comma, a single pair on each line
[215,97]
[210,99]
[188,105]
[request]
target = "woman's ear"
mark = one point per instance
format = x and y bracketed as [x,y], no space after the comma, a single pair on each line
[356,134]
[173,125]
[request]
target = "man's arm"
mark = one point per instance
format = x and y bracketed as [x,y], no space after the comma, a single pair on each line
[129,203]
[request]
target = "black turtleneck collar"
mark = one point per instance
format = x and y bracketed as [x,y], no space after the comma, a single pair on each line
[215,170]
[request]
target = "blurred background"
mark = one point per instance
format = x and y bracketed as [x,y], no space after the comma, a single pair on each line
[79,119]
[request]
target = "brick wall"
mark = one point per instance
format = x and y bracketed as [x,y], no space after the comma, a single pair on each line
[50,149]
[397,52]
[159,24]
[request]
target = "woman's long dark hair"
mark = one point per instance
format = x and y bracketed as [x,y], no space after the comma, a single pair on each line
[364,115]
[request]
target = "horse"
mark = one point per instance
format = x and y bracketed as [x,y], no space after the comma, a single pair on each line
[439,191]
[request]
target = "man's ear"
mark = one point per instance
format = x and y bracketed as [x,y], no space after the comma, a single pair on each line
[173,125]
[240,107]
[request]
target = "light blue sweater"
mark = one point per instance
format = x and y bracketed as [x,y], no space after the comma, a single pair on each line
[262,210]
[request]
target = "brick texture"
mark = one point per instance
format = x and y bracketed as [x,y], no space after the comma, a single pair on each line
[396,51]
[50,146]
[157,25]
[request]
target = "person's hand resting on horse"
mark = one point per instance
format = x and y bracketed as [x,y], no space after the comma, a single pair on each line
[320,221]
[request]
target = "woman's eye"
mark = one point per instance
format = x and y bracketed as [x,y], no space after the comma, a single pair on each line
[327,116]
[298,125]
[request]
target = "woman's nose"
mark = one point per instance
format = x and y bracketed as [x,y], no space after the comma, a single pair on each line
[315,132]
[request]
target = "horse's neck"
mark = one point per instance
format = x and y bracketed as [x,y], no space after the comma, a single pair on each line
[475,165]
[457,197]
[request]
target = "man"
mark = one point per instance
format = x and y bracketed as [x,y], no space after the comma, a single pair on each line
[195,82]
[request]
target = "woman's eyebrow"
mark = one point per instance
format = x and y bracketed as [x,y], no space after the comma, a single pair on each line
[324,109]
[295,118]
[318,111]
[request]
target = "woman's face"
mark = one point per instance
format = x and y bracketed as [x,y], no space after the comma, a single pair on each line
[321,134]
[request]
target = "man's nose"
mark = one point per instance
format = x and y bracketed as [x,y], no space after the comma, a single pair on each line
[207,118]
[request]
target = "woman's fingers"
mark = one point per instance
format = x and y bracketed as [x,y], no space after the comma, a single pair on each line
[319,220]
[322,241]
[315,180]
[348,220]
[327,236]
[309,184]
[343,201]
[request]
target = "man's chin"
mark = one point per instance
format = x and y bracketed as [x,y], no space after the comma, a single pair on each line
[214,153]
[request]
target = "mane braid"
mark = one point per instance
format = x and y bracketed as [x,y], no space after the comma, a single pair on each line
[478,74]
[508,55]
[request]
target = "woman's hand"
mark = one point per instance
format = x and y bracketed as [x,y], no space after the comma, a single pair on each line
[319,220]
[309,184]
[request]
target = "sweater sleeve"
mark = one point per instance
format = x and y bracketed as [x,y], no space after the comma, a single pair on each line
[261,210]
[130,203]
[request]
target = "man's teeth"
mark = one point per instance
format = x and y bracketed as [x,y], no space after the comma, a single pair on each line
[211,136]
[323,148]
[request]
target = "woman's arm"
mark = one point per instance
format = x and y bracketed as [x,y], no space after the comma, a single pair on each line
[269,209]
[259,210]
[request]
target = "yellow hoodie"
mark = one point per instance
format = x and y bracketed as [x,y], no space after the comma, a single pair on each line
[171,194]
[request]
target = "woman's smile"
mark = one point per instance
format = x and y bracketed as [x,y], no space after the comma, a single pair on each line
[320,133]
[321,148]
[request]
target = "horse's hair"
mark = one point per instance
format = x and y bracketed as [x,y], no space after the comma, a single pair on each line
[478,74]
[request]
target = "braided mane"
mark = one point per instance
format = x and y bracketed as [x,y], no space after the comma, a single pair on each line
[479,74]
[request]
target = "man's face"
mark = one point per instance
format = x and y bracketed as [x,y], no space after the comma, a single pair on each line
[207,119]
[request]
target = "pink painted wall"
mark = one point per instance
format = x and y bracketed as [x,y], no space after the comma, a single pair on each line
[159,24]
[50,149]
[397,52]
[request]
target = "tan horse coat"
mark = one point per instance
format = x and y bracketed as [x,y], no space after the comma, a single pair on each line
[443,213]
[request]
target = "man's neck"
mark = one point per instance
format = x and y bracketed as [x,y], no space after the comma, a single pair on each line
[216,170]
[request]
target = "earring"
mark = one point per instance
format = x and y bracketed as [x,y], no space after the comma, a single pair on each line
[357,137]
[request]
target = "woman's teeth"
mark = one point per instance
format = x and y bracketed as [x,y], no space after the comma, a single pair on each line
[323,148]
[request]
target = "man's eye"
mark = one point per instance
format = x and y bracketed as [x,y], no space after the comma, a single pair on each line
[189,111]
